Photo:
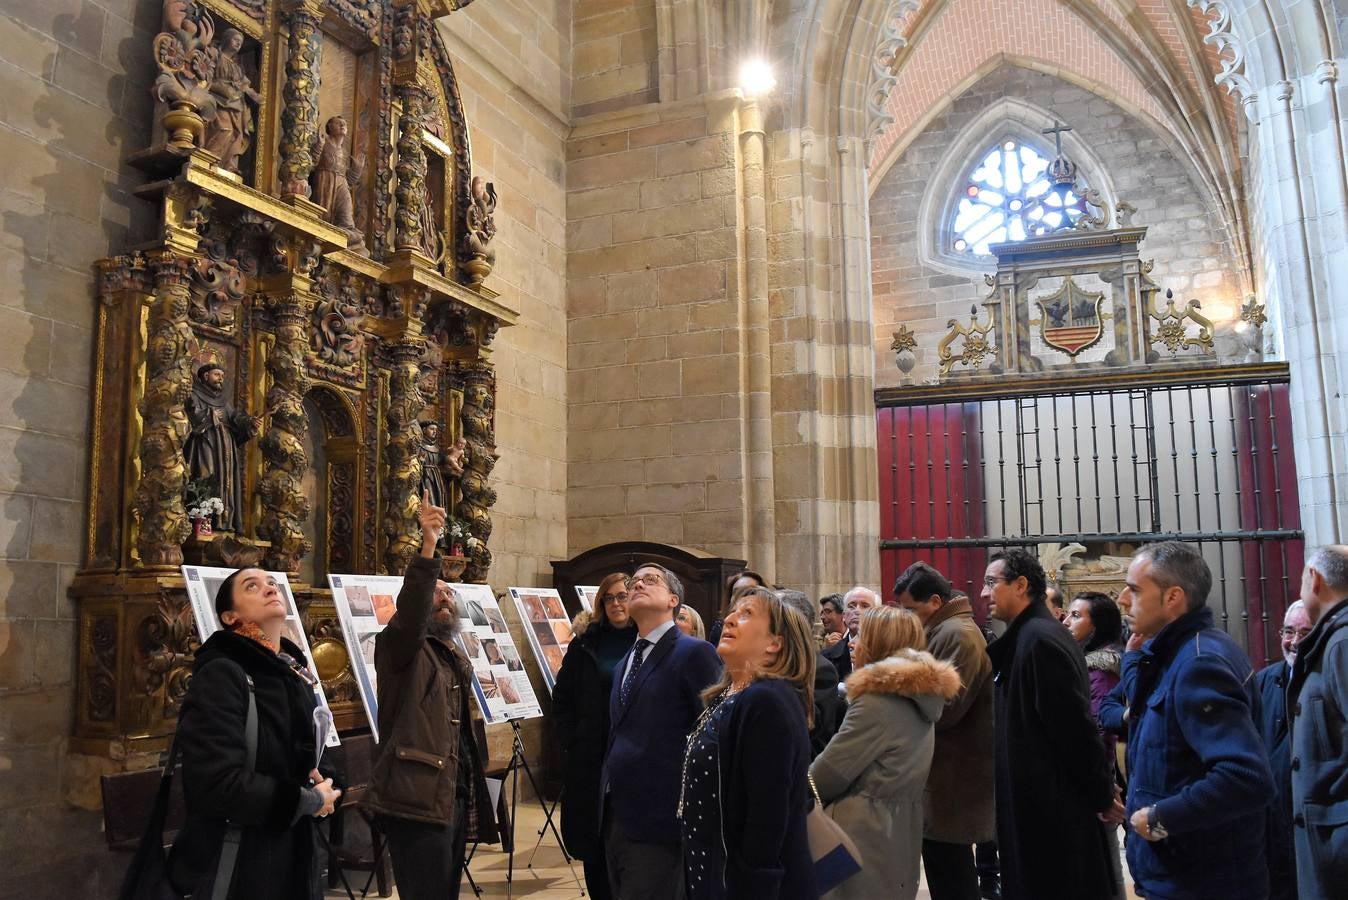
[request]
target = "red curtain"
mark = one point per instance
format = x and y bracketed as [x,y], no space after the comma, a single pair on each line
[931,489]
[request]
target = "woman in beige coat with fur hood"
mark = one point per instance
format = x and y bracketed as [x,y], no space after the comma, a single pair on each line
[872,774]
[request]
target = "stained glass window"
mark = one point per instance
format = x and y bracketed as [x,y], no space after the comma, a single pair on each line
[1007,198]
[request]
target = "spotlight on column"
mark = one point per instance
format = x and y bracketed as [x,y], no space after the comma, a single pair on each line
[756,78]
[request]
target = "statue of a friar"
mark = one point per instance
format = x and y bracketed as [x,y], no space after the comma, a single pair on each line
[212,447]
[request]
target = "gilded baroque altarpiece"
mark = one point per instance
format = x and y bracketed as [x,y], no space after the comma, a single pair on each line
[311,302]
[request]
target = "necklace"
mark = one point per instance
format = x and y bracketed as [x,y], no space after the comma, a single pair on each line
[703,721]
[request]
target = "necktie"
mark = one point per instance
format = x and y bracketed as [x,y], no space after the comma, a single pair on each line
[638,654]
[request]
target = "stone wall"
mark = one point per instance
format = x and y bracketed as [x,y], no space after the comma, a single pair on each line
[615,62]
[1184,233]
[76,100]
[654,374]
[73,77]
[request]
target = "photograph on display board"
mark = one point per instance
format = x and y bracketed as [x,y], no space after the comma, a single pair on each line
[202,584]
[363,611]
[512,696]
[587,593]
[549,628]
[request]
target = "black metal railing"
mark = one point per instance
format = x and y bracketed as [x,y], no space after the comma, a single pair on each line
[1106,461]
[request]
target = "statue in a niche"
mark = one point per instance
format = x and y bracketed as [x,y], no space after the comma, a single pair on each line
[212,448]
[432,458]
[335,175]
[229,134]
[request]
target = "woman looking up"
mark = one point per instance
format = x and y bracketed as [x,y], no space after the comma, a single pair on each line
[745,794]
[276,799]
[580,704]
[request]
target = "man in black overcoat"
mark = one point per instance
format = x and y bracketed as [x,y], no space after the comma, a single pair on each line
[1054,784]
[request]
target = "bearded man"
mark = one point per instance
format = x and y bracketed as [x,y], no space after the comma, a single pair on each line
[211,450]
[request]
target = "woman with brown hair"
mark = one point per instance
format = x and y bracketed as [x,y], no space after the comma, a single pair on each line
[872,774]
[580,702]
[744,796]
[735,586]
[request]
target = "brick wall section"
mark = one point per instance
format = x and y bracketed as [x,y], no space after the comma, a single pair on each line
[653,383]
[75,89]
[616,55]
[1185,236]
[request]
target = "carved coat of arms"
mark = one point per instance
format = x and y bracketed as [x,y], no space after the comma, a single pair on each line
[1071,319]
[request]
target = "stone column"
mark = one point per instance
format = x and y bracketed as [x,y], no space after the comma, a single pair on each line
[164,427]
[479,430]
[285,506]
[759,522]
[402,457]
[411,168]
[299,115]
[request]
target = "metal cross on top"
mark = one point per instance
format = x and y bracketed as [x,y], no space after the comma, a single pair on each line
[1057,132]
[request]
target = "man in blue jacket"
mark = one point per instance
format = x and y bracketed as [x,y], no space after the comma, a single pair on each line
[655,702]
[1317,703]
[1198,775]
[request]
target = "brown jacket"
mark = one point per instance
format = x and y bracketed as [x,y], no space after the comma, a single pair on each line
[424,701]
[960,795]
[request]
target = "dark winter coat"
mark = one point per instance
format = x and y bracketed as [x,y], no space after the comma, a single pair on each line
[1052,775]
[826,705]
[1102,667]
[959,796]
[580,711]
[643,764]
[1318,699]
[275,855]
[1194,754]
[1268,706]
[840,654]
[764,749]
[425,702]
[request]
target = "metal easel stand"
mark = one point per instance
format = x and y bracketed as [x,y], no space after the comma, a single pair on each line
[518,762]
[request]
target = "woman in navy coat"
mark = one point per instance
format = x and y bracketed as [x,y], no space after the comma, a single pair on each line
[745,792]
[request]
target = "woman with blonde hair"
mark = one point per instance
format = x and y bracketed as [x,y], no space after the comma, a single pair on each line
[580,708]
[689,621]
[745,795]
[872,774]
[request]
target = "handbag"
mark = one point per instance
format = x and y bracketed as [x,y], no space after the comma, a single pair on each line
[835,856]
[147,877]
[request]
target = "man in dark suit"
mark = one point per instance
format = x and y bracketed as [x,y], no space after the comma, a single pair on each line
[654,705]
[837,645]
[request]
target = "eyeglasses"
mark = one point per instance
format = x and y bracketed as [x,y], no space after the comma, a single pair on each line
[1299,632]
[650,579]
[992,581]
[615,598]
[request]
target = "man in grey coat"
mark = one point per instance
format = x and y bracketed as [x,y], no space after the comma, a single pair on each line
[1317,704]
[960,791]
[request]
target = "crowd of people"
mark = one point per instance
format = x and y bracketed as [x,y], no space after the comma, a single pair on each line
[1003,758]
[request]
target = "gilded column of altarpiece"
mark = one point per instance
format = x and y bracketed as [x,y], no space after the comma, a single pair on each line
[312,296]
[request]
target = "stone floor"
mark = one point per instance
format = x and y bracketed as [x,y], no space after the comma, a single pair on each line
[548,878]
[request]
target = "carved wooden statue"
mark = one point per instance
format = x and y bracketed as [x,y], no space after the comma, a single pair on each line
[335,173]
[212,448]
[230,133]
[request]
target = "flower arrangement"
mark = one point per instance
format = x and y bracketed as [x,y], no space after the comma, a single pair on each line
[458,535]
[207,508]
[200,499]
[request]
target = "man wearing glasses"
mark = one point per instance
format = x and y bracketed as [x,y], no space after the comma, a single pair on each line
[1268,704]
[1051,773]
[655,703]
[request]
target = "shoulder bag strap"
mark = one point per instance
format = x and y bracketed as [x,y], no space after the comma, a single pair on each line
[229,852]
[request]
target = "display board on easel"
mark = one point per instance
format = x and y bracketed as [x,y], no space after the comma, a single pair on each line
[202,584]
[587,594]
[366,603]
[547,627]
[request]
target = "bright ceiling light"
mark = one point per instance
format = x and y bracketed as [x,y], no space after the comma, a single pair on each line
[756,78]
